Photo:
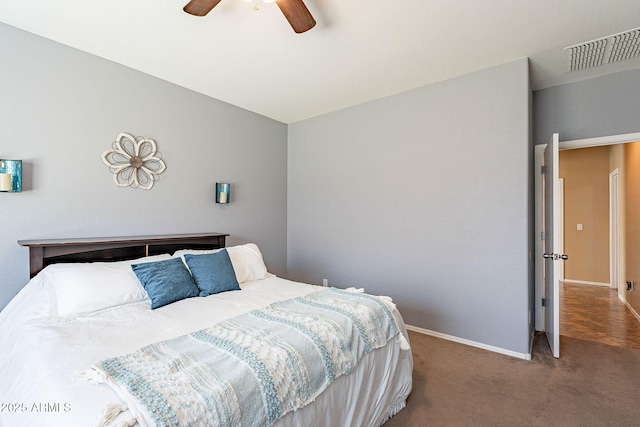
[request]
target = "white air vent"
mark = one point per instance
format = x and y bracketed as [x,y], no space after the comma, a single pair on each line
[617,47]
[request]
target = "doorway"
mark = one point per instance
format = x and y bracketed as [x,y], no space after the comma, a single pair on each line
[585,175]
[615,277]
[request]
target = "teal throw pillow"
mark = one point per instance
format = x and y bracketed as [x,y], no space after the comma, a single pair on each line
[213,273]
[166,281]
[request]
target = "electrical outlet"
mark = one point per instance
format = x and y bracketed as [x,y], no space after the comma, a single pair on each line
[629,285]
[325,282]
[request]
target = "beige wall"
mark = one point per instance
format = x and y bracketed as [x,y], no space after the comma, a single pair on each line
[586,194]
[632,222]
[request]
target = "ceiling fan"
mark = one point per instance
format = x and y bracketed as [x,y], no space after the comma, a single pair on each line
[294,10]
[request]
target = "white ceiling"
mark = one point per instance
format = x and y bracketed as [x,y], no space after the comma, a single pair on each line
[359,50]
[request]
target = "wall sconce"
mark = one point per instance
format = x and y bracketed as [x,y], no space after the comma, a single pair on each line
[223,192]
[10,176]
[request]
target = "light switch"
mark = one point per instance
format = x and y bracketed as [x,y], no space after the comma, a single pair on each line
[579,227]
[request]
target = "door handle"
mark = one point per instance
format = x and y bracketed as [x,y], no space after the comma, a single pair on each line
[556,257]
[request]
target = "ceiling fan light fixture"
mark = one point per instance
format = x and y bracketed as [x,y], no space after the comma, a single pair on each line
[255,6]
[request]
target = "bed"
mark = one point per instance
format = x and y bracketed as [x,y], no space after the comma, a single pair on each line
[88,309]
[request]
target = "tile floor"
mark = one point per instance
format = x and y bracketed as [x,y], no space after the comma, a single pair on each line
[595,313]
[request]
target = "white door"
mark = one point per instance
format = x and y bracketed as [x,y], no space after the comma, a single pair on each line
[552,256]
[614,231]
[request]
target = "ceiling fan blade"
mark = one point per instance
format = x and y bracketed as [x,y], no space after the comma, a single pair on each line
[297,14]
[200,7]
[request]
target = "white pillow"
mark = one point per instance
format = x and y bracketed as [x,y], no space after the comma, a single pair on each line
[246,260]
[77,288]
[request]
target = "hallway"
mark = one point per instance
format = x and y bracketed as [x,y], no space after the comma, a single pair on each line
[595,313]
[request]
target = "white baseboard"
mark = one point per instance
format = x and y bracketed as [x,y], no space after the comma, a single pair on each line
[631,309]
[584,282]
[525,356]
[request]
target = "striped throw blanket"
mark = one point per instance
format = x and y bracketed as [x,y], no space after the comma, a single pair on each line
[252,369]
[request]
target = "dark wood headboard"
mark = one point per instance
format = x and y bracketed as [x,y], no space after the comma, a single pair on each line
[50,251]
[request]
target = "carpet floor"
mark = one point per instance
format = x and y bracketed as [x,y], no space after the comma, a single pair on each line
[592,384]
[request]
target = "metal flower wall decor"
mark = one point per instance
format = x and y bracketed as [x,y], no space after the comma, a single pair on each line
[134,162]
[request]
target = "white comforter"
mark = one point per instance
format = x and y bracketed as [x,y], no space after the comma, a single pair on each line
[39,357]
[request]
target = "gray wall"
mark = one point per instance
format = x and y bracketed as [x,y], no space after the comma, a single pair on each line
[603,106]
[62,108]
[423,196]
